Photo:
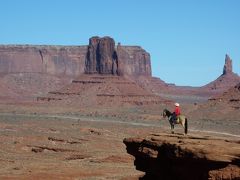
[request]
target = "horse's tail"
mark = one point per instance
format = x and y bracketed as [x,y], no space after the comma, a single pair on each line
[186,126]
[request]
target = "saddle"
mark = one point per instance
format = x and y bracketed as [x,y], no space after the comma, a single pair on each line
[177,119]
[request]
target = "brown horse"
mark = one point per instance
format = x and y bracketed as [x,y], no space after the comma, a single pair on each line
[180,120]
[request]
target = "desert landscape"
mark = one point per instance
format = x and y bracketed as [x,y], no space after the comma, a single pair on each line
[95,112]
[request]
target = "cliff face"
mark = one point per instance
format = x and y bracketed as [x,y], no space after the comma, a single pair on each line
[185,157]
[104,58]
[133,60]
[54,60]
[100,56]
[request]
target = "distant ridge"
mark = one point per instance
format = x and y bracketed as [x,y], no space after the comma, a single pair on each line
[226,80]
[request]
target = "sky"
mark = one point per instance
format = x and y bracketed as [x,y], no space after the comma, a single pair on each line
[187,39]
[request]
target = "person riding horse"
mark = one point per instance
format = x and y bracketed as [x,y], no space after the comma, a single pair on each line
[176,118]
[176,113]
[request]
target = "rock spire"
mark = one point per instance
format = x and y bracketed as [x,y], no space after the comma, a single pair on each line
[228,65]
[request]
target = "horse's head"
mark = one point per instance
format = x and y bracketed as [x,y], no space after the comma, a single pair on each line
[166,113]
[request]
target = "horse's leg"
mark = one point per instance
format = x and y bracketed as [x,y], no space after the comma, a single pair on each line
[183,128]
[186,126]
[172,127]
[171,121]
[183,125]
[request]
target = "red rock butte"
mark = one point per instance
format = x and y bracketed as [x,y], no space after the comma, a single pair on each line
[100,56]
[34,70]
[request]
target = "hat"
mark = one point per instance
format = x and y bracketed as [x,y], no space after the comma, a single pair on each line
[176,104]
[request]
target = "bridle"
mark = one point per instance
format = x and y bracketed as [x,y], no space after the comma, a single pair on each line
[166,113]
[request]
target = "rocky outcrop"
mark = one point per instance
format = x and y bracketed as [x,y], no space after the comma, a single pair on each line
[227,103]
[103,90]
[227,66]
[225,81]
[185,157]
[104,58]
[224,107]
[100,56]
[54,60]
[232,95]
[133,60]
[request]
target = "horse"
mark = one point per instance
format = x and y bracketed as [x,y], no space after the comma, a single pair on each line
[180,120]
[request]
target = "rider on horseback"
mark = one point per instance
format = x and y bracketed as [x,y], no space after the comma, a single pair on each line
[176,118]
[176,112]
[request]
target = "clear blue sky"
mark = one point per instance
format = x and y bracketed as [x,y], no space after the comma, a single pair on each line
[187,39]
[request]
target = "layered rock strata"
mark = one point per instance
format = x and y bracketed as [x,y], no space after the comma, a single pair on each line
[102,90]
[100,56]
[185,158]
[53,60]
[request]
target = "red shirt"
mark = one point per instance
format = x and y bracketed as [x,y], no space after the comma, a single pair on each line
[177,111]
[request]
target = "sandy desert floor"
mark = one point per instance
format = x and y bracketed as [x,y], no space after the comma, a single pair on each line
[43,141]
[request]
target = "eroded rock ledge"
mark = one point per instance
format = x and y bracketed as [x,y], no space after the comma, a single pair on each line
[185,157]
